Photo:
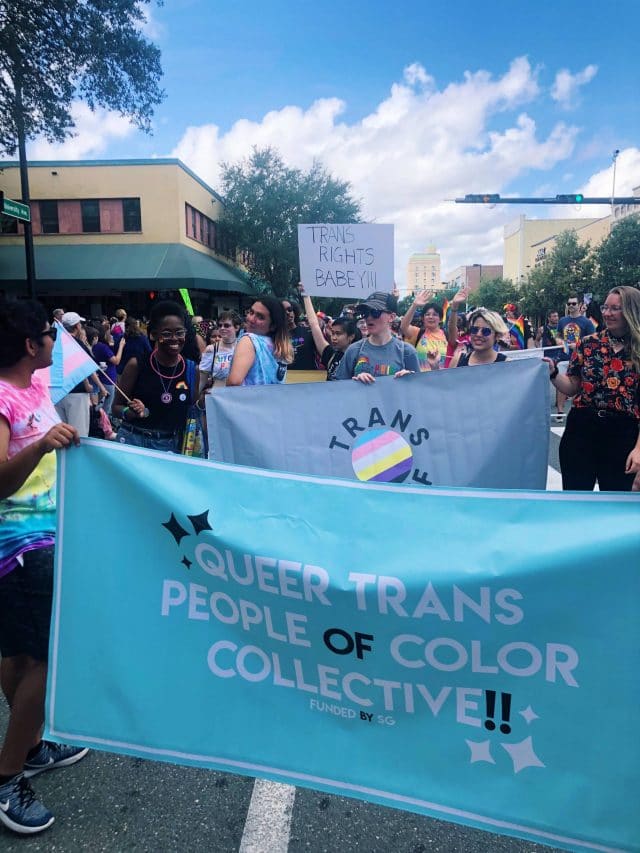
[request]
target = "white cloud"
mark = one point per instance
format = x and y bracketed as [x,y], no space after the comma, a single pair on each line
[566,85]
[415,73]
[93,133]
[149,26]
[419,146]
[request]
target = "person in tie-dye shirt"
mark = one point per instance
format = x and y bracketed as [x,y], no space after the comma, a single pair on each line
[30,430]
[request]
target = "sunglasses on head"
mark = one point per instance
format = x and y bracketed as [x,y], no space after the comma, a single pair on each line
[480,330]
[376,313]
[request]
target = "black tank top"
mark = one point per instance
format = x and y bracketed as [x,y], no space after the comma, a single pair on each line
[464,359]
[152,389]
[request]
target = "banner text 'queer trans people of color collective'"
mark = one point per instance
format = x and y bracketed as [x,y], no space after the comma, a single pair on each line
[443,651]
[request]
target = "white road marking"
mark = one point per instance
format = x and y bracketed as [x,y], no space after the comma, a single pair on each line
[557,430]
[554,480]
[268,823]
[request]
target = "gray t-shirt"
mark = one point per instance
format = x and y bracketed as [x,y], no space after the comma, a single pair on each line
[385,360]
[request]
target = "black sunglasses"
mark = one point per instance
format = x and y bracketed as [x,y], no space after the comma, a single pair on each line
[52,333]
[370,312]
[480,330]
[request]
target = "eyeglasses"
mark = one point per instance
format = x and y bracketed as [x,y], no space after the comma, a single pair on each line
[480,330]
[52,333]
[612,309]
[572,304]
[376,313]
[288,308]
[178,334]
[225,326]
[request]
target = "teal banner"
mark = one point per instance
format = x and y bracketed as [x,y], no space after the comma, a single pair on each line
[467,654]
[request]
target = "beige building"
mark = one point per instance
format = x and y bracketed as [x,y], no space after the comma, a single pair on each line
[103,229]
[423,271]
[471,276]
[528,241]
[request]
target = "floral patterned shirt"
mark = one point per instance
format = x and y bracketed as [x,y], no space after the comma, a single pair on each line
[609,380]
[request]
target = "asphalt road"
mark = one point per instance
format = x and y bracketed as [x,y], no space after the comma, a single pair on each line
[112,804]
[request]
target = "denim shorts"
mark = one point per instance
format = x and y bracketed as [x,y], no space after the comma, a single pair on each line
[25,606]
[150,439]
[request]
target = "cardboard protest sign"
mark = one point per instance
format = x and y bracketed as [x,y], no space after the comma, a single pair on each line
[350,261]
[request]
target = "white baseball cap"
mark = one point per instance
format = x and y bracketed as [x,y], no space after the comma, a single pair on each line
[72,318]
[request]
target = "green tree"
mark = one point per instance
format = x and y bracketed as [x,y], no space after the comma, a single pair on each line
[618,257]
[55,51]
[494,293]
[265,200]
[569,267]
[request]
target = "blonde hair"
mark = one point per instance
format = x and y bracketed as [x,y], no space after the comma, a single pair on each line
[491,318]
[630,299]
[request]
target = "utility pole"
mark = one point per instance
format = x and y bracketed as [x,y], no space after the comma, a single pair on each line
[30,263]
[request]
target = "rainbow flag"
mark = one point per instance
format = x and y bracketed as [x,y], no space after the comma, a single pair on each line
[446,311]
[516,330]
[71,365]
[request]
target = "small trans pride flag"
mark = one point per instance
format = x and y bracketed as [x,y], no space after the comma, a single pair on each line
[71,365]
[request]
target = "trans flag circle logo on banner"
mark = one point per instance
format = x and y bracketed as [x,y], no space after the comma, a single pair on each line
[381,456]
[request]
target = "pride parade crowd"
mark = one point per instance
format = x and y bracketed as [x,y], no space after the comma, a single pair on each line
[149,387]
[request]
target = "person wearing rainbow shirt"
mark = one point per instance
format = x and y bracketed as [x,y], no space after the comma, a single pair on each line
[30,432]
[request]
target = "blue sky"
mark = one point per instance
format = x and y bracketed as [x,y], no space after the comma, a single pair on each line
[412,102]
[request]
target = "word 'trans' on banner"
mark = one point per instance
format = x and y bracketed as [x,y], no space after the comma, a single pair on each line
[445,652]
[486,427]
[349,261]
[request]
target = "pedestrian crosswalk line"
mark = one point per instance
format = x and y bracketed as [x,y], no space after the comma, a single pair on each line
[268,824]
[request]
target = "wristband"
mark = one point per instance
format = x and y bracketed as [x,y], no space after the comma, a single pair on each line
[554,372]
[125,409]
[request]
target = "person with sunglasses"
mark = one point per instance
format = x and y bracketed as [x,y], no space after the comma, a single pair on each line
[304,350]
[485,330]
[161,386]
[601,441]
[216,360]
[571,329]
[380,353]
[30,433]
[264,351]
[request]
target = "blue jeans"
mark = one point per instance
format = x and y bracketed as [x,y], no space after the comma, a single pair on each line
[149,438]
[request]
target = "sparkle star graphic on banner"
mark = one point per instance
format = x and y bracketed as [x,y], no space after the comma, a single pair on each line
[522,754]
[529,715]
[175,528]
[480,751]
[200,522]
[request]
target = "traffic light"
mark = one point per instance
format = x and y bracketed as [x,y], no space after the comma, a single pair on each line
[484,198]
[576,198]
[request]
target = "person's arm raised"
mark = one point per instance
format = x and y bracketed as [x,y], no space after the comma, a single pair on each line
[407,329]
[316,332]
[452,326]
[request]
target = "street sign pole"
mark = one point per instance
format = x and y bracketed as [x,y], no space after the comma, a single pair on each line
[30,262]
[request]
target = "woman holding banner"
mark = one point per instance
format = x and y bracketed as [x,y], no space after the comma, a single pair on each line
[485,329]
[263,353]
[30,433]
[601,442]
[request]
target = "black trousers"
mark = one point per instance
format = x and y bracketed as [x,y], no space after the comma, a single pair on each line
[595,449]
